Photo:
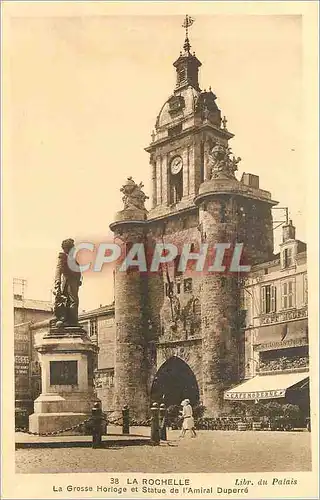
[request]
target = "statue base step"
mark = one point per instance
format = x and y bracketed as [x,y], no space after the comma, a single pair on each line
[67,357]
[65,403]
[43,423]
[65,331]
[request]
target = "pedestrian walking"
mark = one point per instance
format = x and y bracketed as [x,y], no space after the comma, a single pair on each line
[188,420]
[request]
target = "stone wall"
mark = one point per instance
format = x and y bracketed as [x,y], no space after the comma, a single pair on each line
[220,304]
[131,300]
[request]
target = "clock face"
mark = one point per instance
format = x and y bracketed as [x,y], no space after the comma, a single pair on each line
[176,165]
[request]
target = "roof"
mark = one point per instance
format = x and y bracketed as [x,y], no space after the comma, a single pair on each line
[35,305]
[106,310]
[301,254]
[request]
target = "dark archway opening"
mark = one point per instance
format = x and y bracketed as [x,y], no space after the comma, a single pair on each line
[174,382]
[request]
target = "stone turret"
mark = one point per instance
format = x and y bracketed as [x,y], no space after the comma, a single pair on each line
[229,212]
[130,350]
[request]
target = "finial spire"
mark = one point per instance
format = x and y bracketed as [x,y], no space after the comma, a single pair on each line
[188,21]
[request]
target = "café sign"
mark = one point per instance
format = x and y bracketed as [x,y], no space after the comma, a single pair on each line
[236,396]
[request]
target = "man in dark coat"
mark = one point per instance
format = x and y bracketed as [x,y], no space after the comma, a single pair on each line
[66,286]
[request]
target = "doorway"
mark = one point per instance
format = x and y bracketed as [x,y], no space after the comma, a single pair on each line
[174,382]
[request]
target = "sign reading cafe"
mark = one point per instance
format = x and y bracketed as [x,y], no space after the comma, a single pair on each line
[279,393]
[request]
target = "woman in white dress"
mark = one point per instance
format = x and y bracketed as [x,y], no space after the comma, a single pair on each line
[188,421]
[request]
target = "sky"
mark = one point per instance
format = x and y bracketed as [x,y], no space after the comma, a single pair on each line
[84,96]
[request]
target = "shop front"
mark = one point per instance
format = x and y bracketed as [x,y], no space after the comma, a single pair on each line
[288,390]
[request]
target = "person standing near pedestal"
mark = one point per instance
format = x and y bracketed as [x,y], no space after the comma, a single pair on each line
[66,286]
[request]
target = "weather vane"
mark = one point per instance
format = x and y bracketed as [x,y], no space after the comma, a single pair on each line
[186,24]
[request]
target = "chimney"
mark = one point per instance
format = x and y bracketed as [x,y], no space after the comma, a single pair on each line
[250,180]
[288,232]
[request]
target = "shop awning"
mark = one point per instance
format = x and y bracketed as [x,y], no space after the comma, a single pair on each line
[265,386]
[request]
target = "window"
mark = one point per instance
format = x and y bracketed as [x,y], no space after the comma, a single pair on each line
[287,257]
[93,327]
[187,285]
[176,266]
[110,376]
[243,299]
[35,368]
[268,299]
[181,74]
[175,130]
[223,281]
[169,289]
[223,212]
[176,187]
[127,248]
[197,307]
[201,162]
[288,294]
[305,289]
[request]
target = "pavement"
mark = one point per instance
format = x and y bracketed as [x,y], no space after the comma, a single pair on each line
[211,451]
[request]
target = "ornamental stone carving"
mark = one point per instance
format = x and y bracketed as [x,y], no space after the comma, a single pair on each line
[223,166]
[133,196]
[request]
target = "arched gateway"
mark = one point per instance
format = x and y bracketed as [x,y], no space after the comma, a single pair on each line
[175,381]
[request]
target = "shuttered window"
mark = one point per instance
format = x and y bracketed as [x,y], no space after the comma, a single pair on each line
[268,299]
[288,294]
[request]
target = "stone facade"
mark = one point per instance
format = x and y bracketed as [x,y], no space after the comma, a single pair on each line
[191,316]
[271,335]
[275,302]
[100,326]
[27,367]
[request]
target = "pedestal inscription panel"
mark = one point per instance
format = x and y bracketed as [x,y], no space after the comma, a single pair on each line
[63,372]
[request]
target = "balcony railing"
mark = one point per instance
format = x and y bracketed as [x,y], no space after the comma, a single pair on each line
[287,315]
[284,364]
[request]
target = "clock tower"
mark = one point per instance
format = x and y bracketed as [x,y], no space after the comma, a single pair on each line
[179,332]
[187,127]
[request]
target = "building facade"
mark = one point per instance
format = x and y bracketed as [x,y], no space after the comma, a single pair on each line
[26,365]
[100,326]
[273,345]
[276,349]
[178,334]
[183,333]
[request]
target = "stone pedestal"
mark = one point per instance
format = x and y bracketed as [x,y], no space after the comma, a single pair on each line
[67,397]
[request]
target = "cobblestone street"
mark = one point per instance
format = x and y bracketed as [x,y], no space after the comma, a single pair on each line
[211,451]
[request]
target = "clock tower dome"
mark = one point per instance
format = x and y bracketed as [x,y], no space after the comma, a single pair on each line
[188,125]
